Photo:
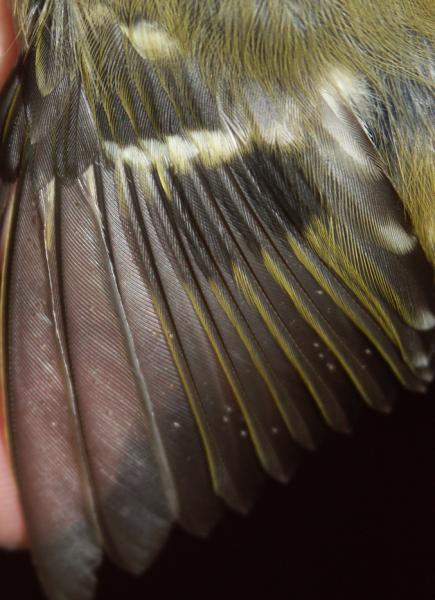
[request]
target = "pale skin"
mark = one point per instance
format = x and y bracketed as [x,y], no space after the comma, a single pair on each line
[12,530]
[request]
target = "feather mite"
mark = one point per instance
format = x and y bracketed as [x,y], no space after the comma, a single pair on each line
[220,226]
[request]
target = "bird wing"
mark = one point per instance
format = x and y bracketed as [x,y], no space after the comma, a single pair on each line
[204,268]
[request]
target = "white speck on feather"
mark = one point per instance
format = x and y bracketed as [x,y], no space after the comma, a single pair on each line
[396,239]
[150,41]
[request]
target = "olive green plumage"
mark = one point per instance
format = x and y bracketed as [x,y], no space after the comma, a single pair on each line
[293,45]
[220,234]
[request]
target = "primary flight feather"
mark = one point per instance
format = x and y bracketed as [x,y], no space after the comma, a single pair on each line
[219,232]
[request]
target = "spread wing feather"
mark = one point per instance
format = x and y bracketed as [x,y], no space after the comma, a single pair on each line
[196,283]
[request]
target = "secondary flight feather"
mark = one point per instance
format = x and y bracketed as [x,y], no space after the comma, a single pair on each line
[219,232]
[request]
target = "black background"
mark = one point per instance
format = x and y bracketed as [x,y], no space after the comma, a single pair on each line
[357,522]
